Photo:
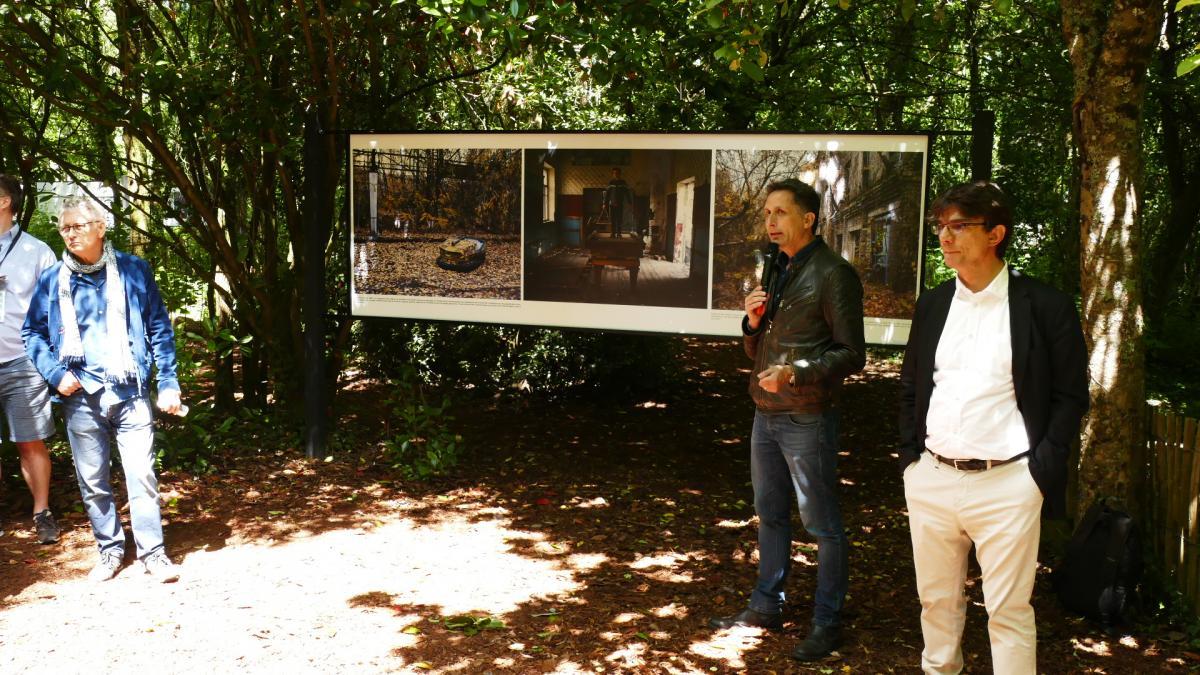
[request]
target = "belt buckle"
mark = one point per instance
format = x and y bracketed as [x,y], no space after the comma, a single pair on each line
[966,464]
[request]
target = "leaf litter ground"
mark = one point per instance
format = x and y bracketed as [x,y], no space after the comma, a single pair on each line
[578,536]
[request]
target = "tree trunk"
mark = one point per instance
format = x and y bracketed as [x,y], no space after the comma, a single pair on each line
[319,155]
[222,363]
[254,374]
[1110,44]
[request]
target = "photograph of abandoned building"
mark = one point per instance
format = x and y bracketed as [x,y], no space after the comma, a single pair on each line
[870,214]
[437,223]
[622,226]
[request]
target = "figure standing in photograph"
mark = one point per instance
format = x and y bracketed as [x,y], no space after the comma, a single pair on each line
[994,385]
[23,392]
[805,335]
[96,323]
[616,200]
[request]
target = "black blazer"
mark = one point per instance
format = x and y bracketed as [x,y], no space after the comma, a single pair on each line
[1049,361]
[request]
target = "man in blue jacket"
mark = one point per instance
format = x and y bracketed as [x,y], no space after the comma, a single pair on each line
[95,323]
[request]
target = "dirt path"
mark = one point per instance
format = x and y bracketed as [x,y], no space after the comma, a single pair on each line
[578,537]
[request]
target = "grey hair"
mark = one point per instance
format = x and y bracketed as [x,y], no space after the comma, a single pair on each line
[84,205]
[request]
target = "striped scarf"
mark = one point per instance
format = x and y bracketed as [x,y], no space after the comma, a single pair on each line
[118,366]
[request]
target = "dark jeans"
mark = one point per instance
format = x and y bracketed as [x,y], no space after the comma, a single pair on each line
[797,454]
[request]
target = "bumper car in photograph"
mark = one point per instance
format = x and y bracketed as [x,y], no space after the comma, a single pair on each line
[461,254]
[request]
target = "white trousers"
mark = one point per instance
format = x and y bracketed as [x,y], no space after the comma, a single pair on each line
[999,510]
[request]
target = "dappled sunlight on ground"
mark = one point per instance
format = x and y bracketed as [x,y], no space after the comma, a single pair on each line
[576,537]
[326,592]
[459,567]
[728,646]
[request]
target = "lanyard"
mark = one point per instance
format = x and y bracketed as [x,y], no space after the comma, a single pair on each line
[16,238]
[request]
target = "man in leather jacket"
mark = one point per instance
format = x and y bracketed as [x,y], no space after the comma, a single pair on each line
[805,334]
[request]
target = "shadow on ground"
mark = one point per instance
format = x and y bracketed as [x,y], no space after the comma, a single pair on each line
[576,536]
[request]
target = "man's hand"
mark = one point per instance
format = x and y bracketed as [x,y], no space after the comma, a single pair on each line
[69,384]
[168,401]
[775,378]
[756,304]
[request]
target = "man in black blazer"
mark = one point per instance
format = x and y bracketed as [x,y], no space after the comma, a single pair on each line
[994,386]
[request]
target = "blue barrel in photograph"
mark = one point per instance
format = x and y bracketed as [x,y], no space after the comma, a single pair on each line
[569,234]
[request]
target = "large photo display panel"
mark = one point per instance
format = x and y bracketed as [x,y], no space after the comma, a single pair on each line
[642,232]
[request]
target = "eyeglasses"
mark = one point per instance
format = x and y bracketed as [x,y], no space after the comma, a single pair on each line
[68,228]
[956,227]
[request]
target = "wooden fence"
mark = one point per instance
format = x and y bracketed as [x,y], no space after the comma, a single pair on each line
[1172,502]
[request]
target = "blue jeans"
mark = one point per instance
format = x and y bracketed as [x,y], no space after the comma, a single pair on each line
[797,454]
[91,425]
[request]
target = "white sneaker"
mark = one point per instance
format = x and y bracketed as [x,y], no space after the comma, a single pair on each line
[159,566]
[107,566]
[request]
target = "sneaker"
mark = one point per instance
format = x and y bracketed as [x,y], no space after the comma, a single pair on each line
[107,567]
[47,529]
[159,566]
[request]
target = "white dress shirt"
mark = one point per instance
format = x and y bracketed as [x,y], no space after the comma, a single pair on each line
[20,270]
[973,408]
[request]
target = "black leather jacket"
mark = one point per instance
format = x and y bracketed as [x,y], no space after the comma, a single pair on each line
[818,329]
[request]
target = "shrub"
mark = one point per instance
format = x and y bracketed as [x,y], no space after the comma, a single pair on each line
[422,444]
[499,359]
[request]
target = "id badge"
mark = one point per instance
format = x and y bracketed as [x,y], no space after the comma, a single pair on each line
[3,293]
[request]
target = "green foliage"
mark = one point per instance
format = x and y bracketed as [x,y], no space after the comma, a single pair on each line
[936,270]
[212,339]
[199,110]
[198,113]
[1173,364]
[1166,610]
[190,443]
[422,443]
[496,360]
[198,442]
[471,625]
[1191,62]
[1188,64]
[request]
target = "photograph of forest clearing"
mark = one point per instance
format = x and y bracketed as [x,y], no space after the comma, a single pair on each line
[437,223]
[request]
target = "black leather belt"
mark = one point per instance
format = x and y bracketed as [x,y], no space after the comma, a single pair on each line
[973,464]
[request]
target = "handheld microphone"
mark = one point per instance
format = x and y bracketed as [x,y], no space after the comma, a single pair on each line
[769,273]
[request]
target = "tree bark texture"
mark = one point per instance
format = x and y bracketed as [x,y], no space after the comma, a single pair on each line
[1111,43]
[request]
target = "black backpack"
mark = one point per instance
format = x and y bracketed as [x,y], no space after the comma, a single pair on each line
[1098,576]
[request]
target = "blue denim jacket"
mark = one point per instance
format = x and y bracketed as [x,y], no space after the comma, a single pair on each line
[150,333]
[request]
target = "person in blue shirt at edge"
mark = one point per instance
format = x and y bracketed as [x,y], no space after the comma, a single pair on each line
[805,334]
[95,323]
[23,393]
